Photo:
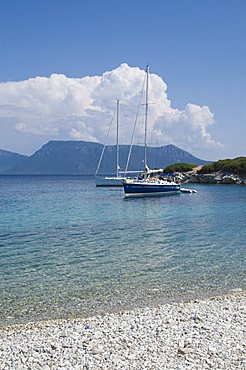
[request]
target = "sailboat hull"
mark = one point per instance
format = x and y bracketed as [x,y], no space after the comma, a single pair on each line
[150,190]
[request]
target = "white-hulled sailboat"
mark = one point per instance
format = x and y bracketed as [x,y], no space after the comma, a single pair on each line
[149,185]
[111,180]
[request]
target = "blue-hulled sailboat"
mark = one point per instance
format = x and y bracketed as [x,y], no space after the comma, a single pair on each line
[149,185]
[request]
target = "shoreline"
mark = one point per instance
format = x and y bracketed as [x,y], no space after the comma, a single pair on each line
[196,334]
[81,313]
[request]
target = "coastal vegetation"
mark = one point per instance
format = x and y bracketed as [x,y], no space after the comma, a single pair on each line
[180,167]
[224,171]
[236,166]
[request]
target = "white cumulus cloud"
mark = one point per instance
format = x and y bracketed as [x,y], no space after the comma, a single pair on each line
[59,107]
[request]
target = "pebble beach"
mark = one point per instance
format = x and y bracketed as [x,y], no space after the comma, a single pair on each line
[200,334]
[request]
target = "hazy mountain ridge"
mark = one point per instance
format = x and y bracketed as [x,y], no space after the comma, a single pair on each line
[81,157]
[8,159]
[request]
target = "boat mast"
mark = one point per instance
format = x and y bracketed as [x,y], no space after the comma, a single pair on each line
[146,119]
[117,141]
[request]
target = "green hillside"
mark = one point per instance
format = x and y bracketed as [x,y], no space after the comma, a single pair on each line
[235,166]
[179,167]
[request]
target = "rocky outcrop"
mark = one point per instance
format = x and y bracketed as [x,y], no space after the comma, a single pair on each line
[212,178]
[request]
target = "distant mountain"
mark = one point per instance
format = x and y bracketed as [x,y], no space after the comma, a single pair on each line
[9,160]
[80,157]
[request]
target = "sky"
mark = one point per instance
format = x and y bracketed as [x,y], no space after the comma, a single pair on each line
[63,65]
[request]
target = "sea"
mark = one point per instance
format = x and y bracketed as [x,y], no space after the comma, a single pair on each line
[69,249]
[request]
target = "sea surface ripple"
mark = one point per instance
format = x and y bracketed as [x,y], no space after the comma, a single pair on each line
[68,248]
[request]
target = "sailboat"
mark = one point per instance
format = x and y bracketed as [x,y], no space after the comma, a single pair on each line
[149,185]
[111,180]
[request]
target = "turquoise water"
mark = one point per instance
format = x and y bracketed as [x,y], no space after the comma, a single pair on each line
[68,248]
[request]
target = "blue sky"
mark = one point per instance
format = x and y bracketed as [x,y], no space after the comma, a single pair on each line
[196,47]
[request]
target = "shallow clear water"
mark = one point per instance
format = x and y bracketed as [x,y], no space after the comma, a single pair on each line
[68,248]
